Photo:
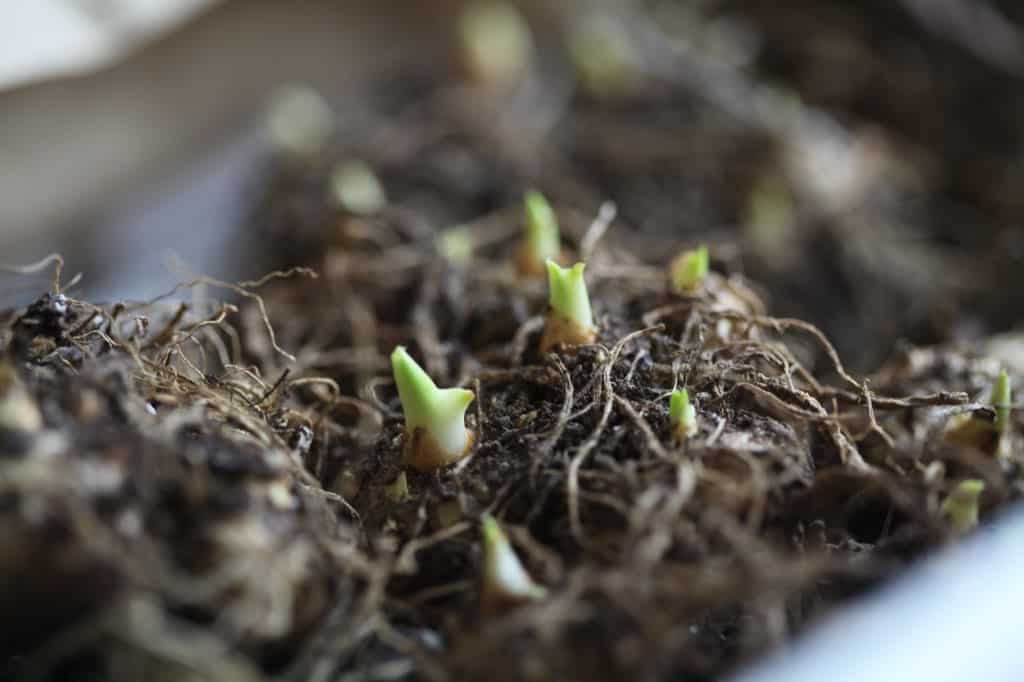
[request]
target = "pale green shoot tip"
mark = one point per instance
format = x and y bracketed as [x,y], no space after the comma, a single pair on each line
[961,507]
[456,245]
[504,577]
[542,237]
[568,294]
[602,55]
[299,121]
[690,269]
[496,41]
[770,223]
[440,411]
[1002,400]
[682,413]
[356,188]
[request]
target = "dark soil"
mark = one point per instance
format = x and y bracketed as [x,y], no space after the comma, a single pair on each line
[206,494]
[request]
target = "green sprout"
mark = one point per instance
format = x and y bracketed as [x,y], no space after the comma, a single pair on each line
[505,580]
[682,414]
[1002,400]
[569,321]
[976,431]
[455,244]
[770,221]
[435,427]
[526,418]
[961,506]
[689,270]
[542,241]
[355,187]
[299,121]
[567,294]
[496,41]
[602,56]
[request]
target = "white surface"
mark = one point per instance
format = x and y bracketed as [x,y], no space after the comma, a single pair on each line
[42,39]
[954,618]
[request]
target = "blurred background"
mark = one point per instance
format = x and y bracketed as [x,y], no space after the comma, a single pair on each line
[860,162]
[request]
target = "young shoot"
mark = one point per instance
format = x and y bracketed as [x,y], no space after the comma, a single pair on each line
[601,54]
[435,418]
[961,506]
[682,414]
[770,222]
[496,42]
[355,188]
[1002,400]
[542,241]
[987,435]
[505,583]
[569,320]
[455,244]
[299,121]
[689,270]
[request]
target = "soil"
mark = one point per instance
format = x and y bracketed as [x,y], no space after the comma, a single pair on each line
[206,491]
